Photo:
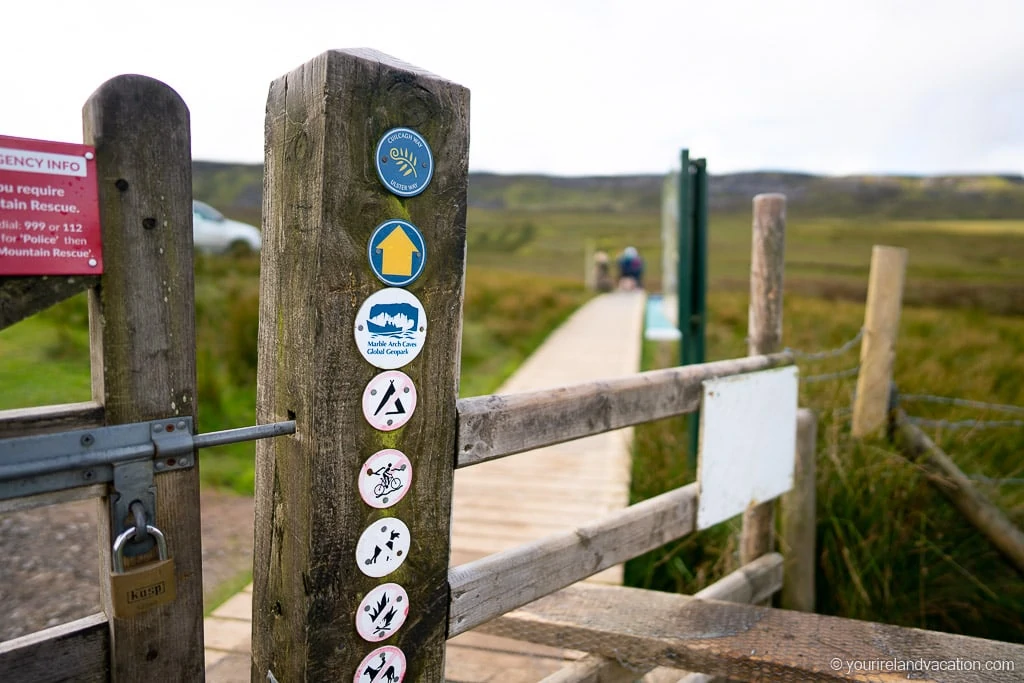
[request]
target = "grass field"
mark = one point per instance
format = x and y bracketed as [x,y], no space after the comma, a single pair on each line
[891,548]
[965,264]
[45,359]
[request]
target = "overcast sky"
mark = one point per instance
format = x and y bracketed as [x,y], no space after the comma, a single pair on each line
[576,88]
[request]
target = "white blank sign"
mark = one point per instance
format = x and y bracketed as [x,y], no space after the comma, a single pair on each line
[747,442]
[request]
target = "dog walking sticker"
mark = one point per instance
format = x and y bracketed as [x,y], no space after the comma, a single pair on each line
[397,252]
[382,612]
[391,327]
[389,400]
[383,547]
[383,665]
[404,162]
[385,478]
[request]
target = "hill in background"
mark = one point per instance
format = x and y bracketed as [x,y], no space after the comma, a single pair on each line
[237,190]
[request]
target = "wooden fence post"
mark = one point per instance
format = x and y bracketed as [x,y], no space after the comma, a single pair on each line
[322,202]
[764,329]
[142,336]
[799,519]
[878,349]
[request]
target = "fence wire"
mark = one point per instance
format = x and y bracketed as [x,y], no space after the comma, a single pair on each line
[839,374]
[954,425]
[962,403]
[996,481]
[830,353]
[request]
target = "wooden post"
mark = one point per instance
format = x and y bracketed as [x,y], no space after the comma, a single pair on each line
[142,334]
[949,479]
[589,266]
[878,349]
[322,202]
[764,329]
[799,520]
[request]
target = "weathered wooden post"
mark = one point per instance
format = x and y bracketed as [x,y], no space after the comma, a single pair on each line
[142,335]
[799,520]
[878,349]
[764,329]
[363,262]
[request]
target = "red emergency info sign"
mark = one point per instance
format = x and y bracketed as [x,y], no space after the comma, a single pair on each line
[49,209]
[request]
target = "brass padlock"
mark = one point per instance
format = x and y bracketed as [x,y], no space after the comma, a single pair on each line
[144,587]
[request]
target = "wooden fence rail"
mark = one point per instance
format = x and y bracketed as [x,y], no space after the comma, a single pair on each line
[749,643]
[492,427]
[76,651]
[44,419]
[751,583]
[943,473]
[493,585]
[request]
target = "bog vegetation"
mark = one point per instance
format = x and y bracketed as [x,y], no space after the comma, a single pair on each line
[891,548]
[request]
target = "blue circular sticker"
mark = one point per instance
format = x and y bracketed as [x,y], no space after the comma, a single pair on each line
[404,162]
[397,252]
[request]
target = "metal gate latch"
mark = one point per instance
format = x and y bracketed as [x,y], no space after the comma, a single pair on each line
[125,455]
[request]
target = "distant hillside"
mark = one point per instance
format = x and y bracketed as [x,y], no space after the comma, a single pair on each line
[237,189]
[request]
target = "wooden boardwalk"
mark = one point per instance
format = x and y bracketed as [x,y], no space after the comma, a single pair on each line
[508,502]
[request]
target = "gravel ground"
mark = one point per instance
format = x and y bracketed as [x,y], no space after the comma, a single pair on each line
[48,559]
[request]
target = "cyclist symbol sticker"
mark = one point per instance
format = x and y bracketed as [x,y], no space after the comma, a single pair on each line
[391,327]
[383,665]
[383,547]
[385,478]
[382,612]
[389,400]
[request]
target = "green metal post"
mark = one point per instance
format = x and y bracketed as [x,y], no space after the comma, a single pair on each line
[684,297]
[698,289]
[685,280]
[698,308]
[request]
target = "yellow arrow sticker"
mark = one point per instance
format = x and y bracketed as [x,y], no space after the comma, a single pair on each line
[397,250]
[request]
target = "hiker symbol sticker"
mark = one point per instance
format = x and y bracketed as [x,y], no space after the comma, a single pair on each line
[383,547]
[382,612]
[389,400]
[385,478]
[383,665]
[397,252]
[391,327]
[404,162]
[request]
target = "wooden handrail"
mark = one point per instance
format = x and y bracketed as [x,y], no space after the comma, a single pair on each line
[495,426]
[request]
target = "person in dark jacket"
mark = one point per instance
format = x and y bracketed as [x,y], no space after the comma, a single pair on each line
[631,269]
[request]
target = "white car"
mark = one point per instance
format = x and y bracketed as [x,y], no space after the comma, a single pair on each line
[213,233]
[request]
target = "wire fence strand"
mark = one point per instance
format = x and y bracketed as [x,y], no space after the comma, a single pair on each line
[962,403]
[954,425]
[840,374]
[830,353]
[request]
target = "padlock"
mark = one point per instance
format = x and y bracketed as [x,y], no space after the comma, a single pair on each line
[144,587]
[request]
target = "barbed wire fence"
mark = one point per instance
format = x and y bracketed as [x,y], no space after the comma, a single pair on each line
[850,344]
[910,398]
[813,356]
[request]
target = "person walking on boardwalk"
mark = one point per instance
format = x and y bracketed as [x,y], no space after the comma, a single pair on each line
[631,269]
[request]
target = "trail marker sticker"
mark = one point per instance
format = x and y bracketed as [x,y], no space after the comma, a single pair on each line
[391,327]
[49,209]
[383,547]
[385,478]
[383,665]
[389,400]
[382,612]
[397,252]
[404,162]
